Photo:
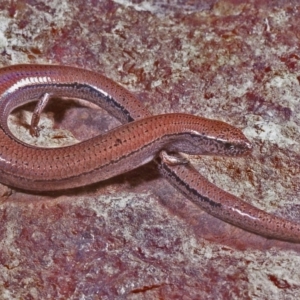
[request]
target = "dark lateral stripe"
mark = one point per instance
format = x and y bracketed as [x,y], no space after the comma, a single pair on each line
[86,88]
[110,163]
[96,169]
[187,190]
[107,98]
[120,158]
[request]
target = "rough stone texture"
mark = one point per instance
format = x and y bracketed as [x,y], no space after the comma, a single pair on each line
[134,236]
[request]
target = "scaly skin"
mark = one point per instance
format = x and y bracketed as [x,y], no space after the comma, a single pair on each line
[35,168]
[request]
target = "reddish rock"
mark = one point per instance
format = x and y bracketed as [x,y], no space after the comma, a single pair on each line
[134,236]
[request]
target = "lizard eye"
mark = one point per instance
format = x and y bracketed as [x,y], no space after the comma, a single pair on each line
[228,146]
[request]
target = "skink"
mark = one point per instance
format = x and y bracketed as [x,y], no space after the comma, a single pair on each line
[124,148]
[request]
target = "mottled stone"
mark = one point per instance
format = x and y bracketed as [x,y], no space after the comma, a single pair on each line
[134,236]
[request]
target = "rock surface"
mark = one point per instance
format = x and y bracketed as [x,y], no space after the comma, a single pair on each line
[134,236]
